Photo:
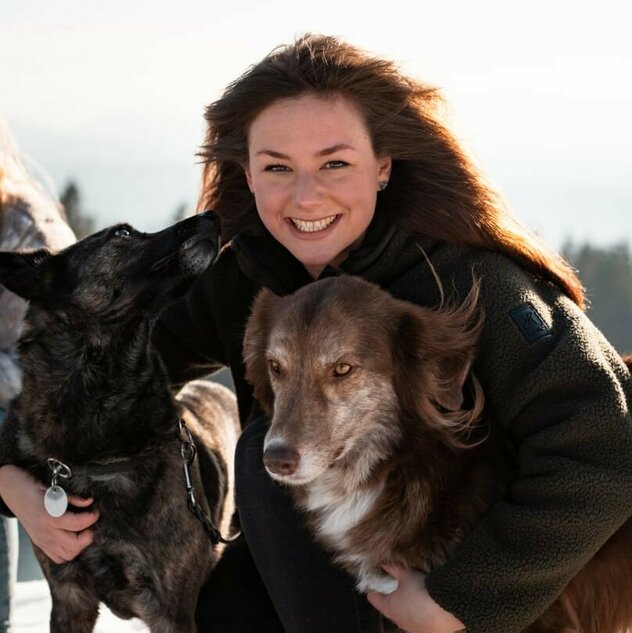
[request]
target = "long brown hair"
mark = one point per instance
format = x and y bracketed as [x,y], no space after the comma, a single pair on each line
[435,189]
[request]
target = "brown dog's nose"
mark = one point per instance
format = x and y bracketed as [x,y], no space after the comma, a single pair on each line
[281,459]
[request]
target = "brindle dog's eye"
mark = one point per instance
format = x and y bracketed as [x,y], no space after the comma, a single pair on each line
[122,232]
[341,369]
[275,368]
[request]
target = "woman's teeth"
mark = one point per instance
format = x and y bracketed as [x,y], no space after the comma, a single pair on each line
[316,225]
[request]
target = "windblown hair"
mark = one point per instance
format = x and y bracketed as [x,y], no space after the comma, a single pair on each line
[434,190]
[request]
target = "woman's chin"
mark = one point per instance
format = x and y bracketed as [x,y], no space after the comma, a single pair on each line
[315,263]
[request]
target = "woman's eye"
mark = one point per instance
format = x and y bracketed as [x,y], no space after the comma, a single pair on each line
[342,369]
[276,168]
[122,232]
[336,164]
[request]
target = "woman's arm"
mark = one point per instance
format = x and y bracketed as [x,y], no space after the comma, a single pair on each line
[61,539]
[563,396]
[202,332]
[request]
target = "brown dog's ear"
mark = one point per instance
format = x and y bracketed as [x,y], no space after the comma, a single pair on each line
[255,347]
[20,272]
[435,352]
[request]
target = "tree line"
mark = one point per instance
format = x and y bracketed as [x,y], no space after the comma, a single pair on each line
[82,220]
[606,272]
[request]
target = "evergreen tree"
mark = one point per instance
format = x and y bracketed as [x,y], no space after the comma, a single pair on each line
[80,221]
[182,212]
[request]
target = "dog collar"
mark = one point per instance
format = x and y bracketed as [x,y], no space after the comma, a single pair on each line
[56,498]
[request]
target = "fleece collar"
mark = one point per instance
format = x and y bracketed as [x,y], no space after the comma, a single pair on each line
[386,253]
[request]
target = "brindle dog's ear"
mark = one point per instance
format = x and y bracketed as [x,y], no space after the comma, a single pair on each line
[255,347]
[20,272]
[435,352]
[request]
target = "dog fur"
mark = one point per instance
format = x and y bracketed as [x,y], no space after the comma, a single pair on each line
[376,427]
[95,395]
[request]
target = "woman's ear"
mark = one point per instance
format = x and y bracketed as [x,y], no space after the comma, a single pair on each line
[255,348]
[384,169]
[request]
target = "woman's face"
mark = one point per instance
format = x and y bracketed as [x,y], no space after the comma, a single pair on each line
[314,175]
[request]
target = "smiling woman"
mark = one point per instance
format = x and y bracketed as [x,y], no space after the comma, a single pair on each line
[315,177]
[297,153]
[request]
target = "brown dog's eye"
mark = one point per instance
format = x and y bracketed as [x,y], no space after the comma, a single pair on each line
[275,368]
[341,369]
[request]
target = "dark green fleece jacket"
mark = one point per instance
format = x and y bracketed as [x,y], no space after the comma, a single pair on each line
[549,376]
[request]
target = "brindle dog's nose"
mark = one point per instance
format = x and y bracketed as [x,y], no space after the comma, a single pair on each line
[209,214]
[281,459]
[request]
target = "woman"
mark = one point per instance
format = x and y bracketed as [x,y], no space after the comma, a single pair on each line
[28,220]
[322,159]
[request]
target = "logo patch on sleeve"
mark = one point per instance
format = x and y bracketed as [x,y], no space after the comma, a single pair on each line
[529,322]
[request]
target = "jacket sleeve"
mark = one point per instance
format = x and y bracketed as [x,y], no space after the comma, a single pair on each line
[193,336]
[563,396]
[186,335]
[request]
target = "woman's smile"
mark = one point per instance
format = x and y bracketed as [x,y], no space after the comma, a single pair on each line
[315,228]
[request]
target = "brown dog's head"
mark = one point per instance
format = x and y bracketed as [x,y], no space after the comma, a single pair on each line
[338,363]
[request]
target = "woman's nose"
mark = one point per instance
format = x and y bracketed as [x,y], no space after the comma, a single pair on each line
[307,191]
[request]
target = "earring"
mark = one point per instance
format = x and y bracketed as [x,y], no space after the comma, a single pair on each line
[382,185]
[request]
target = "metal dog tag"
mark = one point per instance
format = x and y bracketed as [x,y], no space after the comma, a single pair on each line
[55,501]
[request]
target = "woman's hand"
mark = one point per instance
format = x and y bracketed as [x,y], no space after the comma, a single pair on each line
[62,538]
[411,607]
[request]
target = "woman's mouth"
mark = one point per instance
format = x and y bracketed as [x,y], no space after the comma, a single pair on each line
[312,226]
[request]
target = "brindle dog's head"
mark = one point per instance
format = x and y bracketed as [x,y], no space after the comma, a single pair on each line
[339,365]
[117,272]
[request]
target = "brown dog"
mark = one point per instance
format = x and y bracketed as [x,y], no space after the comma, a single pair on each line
[370,430]
[96,418]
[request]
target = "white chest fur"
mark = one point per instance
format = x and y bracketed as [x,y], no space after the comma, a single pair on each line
[338,512]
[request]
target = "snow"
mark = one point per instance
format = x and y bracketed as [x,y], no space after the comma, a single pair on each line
[31,611]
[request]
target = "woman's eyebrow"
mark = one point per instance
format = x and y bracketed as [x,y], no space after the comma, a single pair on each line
[333,149]
[271,152]
[323,152]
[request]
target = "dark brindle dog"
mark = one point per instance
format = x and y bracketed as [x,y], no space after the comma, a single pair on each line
[96,401]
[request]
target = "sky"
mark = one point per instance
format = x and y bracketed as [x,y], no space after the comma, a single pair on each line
[112,94]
